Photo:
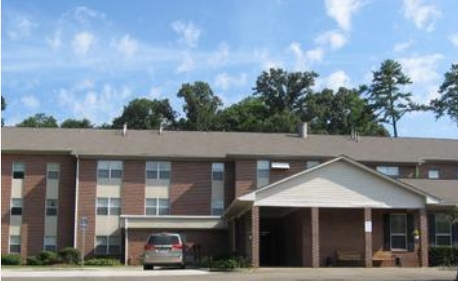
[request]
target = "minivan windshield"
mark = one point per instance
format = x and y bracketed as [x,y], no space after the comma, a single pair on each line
[163,240]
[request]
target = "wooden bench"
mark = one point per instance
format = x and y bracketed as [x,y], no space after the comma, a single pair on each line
[381,256]
[348,258]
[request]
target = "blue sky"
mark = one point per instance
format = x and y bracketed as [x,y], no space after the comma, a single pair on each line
[87,59]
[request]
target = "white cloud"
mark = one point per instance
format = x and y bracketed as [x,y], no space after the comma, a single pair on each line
[186,65]
[220,56]
[334,38]
[20,27]
[83,14]
[224,81]
[422,69]
[155,92]
[82,42]
[454,39]
[303,59]
[55,42]
[423,16]
[336,80]
[402,46]
[188,32]
[30,101]
[316,54]
[342,11]
[266,60]
[126,46]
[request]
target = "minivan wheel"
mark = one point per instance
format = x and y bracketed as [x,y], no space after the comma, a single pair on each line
[148,267]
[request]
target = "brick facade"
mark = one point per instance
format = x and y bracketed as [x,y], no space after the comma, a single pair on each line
[245,177]
[133,187]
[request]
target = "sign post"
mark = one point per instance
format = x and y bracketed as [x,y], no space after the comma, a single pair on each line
[83,225]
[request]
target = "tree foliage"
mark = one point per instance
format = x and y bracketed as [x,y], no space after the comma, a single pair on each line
[447,103]
[39,120]
[201,106]
[3,108]
[385,96]
[74,123]
[146,114]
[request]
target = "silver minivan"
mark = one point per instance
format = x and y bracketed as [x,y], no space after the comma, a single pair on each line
[163,249]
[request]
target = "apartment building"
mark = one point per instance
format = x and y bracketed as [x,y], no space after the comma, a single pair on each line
[276,199]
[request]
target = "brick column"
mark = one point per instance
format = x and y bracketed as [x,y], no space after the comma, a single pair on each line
[315,236]
[423,237]
[367,238]
[305,227]
[255,236]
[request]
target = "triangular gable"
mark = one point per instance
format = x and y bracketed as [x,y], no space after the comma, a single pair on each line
[339,183]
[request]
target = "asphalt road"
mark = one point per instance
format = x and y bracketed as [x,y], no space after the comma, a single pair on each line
[264,274]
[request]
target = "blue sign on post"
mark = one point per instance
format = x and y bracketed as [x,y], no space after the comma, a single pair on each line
[84,223]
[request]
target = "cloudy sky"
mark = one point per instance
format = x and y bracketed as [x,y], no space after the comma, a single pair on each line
[87,59]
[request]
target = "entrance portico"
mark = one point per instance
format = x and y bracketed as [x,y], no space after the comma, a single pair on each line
[339,205]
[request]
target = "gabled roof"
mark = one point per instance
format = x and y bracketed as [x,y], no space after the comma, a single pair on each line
[169,144]
[446,190]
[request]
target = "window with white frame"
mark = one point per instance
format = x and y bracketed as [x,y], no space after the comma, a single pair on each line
[50,243]
[392,171]
[15,244]
[108,206]
[157,206]
[398,231]
[107,245]
[53,171]
[51,207]
[217,203]
[158,170]
[433,174]
[18,170]
[443,230]
[16,207]
[109,169]
[217,207]
[218,171]
[262,172]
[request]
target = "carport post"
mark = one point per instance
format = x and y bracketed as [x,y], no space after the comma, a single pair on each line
[255,236]
[423,237]
[367,237]
[315,231]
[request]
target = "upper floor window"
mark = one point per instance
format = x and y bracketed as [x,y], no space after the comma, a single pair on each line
[108,206]
[157,206]
[109,169]
[16,207]
[443,230]
[218,171]
[433,174]
[51,207]
[263,173]
[392,171]
[158,170]
[50,243]
[53,171]
[18,170]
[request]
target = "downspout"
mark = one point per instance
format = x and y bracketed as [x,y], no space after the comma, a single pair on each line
[77,187]
[126,241]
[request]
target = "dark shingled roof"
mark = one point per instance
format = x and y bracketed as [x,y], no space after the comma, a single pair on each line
[148,143]
[447,190]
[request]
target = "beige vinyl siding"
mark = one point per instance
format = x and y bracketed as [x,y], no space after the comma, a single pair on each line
[339,185]
[106,225]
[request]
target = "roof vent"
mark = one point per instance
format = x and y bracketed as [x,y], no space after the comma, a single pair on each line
[124,129]
[303,130]
[161,128]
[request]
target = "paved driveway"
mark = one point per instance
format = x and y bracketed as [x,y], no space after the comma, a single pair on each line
[264,274]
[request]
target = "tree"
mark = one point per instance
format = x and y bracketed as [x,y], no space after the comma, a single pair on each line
[447,103]
[3,108]
[144,114]
[340,113]
[244,116]
[282,91]
[201,106]
[39,120]
[74,123]
[385,96]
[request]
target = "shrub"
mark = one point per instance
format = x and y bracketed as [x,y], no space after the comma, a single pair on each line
[69,255]
[225,264]
[102,262]
[32,260]
[443,256]
[48,258]
[11,259]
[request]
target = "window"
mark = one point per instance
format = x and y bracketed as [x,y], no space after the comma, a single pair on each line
[109,169]
[108,206]
[392,171]
[51,207]
[18,170]
[218,171]
[53,171]
[311,164]
[16,207]
[433,174]
[398,231]
[15,244]
[443,230]
[50,243]
[107,245]
[217,208]
[158,170]
[157,206]
[263,172]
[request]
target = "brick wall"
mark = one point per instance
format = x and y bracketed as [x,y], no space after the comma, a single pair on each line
[133,188]
[7,170]
[446,171]
[245,177]
[190,188]
[229,183]
[295,166]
